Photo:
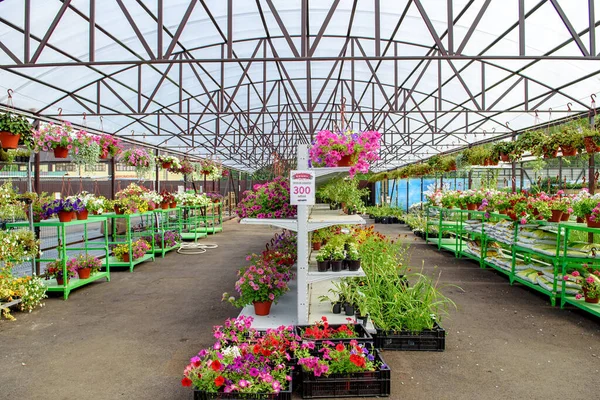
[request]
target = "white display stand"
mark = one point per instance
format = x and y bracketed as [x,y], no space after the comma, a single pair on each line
[309,218]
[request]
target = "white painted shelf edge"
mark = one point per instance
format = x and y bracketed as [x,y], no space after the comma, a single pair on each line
[282,313]
[289,224]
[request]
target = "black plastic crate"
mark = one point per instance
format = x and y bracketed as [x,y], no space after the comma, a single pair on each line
[360,384]
[362,336]
[427,340]
[283,395]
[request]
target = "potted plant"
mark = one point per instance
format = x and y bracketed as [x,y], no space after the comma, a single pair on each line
[142,160]
[64,208]
[37,204]
[323,258]
[59,138]
[210,169]
[448,163]
[353,257]
[153,199]
[138,249]
[337,258]
[84,198]
[583,204]
[14,127]
[570,140]
[55,270]
[215,197]
[345,149]
[590,285]
[97,205]
[260,284]
[169,162]
[186,167]
[18,245]
[505,151]
[109,146]
[87,149]
[85,265]
[167,199]
[17,155]
[268,200]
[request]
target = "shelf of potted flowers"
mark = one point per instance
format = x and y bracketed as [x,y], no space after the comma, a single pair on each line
[56,270]
[65,209]
[13,129]
[134,253]
[85,199]
[168,200]
[110,146]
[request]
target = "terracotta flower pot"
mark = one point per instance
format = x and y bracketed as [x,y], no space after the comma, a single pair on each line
[8,140]
[550,153]
[104,154]
[568,151]
[119,210]
[126,257]
[166,165]
[471,206]
[61,281]
[173,204]
[82,215]
[565,216]
[556,216]
[589,300]
[592,224]
[151,206]
[61,152]
[84,273]
[580,220]
[65,216]
[164,206]
[502,212]
[262,307]
[504,157]
[345,161]
[316,246]
[590,144]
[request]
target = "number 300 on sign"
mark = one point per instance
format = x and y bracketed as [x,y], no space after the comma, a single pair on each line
[301,189]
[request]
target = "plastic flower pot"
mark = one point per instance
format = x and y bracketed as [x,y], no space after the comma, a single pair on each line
[353,265]
[568,151]
[8,140]
[61,152]
[590,144]
[164,206]
[126,257]
[336,266]
[345,161]
[316,246]
[104,154]
[349,309]
[337,308]
[173,204]
[166,165]
[65,216]
[60,281]
[580,220]
[322,266]
[82,215]
[119,210]
[592,224]
[588,299]
[504,157]
[84,273]
[565,216]
[262,307]
[556,216]
[471,206]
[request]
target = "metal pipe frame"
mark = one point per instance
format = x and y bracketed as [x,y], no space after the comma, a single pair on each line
[271,106]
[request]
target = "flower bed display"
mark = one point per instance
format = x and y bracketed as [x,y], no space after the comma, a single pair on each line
[425,340]
[322,332]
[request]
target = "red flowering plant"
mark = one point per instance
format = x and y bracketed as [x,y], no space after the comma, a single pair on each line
[322,330]
[242,361]
[337,359]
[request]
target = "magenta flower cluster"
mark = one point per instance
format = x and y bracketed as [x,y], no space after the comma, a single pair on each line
[51,136]
[329,148]
[268,200]
[137,158]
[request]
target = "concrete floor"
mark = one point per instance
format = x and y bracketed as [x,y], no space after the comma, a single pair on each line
[132,337]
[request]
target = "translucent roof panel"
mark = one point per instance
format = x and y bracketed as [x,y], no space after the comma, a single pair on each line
[252,80]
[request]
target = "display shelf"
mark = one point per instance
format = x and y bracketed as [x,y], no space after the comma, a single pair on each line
[114,262]
[497,268]
[314,275]
[282,313]
[284,223]
[53,286]
[589,307]
[193,235]
[320,219]
[163,251]
[209,229]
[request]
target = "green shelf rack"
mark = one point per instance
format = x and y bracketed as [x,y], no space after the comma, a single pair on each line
[166,220]
[63,249]
[147,220]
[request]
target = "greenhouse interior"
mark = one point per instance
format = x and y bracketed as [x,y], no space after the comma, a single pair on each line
[285,199]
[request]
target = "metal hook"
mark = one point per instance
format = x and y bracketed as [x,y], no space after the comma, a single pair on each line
[493,130]
[10,92]
[132,132]
[569,106]
[536,113]
[60,111]
[507,127]
[84,116]
[484,132]
[593,96]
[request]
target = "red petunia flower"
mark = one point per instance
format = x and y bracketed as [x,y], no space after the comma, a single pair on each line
[216,365]
[186,382]
[219,381]
[340,347]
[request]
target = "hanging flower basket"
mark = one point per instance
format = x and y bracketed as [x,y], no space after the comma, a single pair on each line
[346,161]
[504,157]
[590,144]
[568,151]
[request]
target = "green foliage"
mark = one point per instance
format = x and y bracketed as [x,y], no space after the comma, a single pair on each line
[345,191]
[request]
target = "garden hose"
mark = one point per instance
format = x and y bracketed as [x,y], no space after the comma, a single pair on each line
[195,248]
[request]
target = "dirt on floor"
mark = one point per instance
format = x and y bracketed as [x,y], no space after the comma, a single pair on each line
[132,337]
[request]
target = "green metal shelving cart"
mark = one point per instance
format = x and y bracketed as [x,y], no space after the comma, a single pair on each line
[190,220]
[63,249]
[166,220]
[128,235]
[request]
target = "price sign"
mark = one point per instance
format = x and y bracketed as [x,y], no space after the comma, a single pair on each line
[302,188]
